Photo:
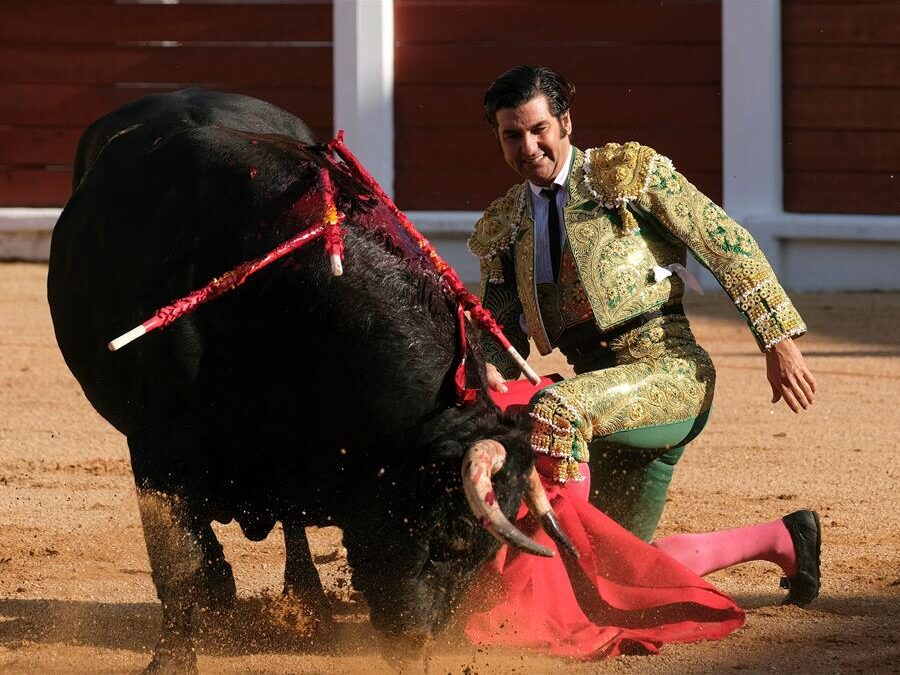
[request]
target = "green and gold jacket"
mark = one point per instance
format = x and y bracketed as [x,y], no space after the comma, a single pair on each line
[628,213]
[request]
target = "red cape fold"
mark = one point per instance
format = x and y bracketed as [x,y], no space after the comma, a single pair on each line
[622,596]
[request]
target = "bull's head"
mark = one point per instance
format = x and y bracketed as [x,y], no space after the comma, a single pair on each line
[415,565]
[484,459]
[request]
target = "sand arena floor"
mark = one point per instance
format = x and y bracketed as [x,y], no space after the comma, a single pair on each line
[75,589]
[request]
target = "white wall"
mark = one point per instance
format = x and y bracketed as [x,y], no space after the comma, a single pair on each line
[364,83]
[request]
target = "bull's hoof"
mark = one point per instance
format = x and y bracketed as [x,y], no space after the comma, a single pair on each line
[179,661]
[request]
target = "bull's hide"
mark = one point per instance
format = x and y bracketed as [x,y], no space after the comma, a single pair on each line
[300,396]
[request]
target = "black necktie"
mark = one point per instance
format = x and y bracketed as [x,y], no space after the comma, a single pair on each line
[553,229]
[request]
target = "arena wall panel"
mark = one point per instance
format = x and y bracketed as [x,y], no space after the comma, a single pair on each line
[63,63]
[841,69]
[643,70]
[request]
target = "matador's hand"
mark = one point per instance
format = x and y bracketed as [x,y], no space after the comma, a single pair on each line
[790,378]
[495,379]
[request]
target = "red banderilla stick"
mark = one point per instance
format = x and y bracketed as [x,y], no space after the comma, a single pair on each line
[462,296]
[228,281]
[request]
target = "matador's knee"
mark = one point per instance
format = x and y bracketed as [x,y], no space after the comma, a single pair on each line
[560,432]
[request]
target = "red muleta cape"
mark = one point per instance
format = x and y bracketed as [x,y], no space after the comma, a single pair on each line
[622,596]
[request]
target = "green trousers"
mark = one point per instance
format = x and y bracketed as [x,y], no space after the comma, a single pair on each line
[631,472]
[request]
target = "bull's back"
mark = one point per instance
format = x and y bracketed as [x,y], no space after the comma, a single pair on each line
[159,115]
[159,213]
[145,228]
[270,367]
[109,261]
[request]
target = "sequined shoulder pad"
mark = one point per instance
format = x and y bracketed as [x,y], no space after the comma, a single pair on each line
[498,228]
[617,174]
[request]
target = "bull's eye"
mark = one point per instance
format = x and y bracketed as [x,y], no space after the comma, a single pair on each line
[456,537]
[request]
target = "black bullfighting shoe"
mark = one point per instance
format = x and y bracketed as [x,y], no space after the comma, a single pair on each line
[806,533]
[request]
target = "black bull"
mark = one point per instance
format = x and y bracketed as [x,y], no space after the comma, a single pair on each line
[300,397]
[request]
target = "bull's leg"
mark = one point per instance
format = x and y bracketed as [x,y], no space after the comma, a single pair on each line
[217,590]
[301,579]
[176,559]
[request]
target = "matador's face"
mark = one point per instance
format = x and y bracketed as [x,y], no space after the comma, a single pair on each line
[534,142]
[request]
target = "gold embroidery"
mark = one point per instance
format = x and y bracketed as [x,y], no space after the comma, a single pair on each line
[617,174]
[580,198]
[496,231]
[574,304]
[524,257]
[556,432]
[727,250]
[661,376]
[502,301]
[616,267]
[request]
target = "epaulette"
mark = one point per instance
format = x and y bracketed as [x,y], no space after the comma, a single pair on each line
[617,174]
[498,229]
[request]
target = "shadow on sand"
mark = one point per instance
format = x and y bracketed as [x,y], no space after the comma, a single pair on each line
[868,318]
[252,626]
[853,622]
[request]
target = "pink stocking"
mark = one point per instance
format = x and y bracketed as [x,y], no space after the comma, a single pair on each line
[711,551]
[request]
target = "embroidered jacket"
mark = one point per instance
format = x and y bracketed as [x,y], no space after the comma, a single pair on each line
[628,213]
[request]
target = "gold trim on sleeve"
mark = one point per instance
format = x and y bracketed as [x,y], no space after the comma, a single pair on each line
[497,230]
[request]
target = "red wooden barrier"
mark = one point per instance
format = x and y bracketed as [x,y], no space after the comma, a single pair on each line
[841,62]
[64,63]
[643,70]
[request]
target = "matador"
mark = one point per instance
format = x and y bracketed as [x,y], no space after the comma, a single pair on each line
[588,255]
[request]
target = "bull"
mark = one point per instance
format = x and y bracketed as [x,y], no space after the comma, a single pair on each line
[302,397]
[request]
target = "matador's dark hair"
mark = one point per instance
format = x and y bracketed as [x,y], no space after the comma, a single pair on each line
[521,84]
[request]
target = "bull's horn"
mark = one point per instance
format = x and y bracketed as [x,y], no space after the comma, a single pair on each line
[484,459]
[539,506]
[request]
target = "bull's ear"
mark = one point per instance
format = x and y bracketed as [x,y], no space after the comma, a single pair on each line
[447,451]
[455,538]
